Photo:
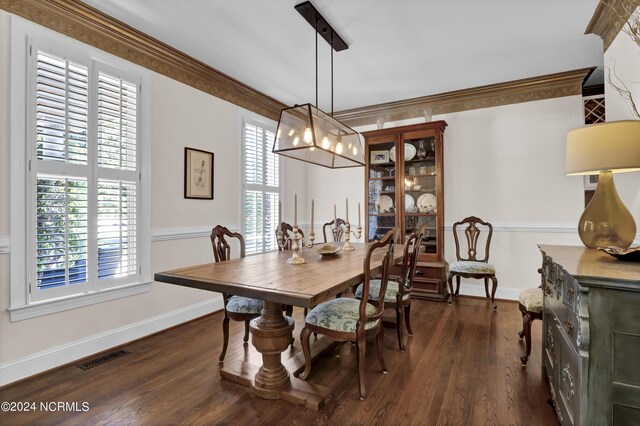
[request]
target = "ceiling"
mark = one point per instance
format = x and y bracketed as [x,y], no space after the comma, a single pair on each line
[397,49]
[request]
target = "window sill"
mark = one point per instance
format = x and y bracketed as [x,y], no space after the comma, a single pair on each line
[47,307]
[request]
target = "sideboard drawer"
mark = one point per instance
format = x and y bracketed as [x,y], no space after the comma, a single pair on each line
[568,381]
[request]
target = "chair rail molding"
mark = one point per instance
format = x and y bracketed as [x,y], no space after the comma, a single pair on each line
[565,228]
[549,86]
[609,18]
[88,25]
[5,244]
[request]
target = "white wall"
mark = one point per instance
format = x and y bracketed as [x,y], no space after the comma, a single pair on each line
[624,55]
[505,165]
[180,116]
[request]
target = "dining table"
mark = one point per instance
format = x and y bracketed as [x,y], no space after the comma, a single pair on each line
[270,278]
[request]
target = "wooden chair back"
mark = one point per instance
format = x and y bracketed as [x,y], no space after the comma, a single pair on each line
[410,258]
[472,233]
[220,245]
[386,242]
[327,228]
[287,234]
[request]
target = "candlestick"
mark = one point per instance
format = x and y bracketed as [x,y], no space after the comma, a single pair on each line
[358,214]
[312,215]
[347,214]
[295,208]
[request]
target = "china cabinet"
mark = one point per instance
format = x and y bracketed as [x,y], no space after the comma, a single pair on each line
[404,188]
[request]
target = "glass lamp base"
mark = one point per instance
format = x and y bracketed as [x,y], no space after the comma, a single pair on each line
[606,221]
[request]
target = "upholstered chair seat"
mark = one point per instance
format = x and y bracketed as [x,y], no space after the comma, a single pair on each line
[244,305]
[472,267]
[340,314]
[531,299]
[389,295]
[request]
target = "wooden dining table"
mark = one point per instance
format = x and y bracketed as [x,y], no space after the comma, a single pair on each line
[270,278]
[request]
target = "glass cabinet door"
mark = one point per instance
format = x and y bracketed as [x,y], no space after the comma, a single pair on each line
[381,182]
[420,188]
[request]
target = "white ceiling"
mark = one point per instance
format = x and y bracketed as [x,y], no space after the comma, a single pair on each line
[397,49]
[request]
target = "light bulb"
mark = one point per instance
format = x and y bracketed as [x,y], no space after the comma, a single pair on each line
[325,142]
[291,132]
[307,135]
[313,148]
[355,151]
[296,140]
[338,148]
[350,145]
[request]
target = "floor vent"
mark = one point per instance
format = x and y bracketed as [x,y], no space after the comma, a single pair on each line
[103,359]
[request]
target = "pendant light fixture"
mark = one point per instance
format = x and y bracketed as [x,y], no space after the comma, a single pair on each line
[307,133]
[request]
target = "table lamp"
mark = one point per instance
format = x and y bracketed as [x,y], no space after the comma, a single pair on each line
[605,148]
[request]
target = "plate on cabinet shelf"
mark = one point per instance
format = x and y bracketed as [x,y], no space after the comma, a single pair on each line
[427,203]
[386,203]
[409,202]
[409,152]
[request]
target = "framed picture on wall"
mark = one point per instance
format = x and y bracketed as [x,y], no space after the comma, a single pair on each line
[198,174]
[590,182]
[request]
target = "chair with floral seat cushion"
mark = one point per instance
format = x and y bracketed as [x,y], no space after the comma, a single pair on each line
[473,266]
[351,320]
[531,309]
[236,308]
[398,294]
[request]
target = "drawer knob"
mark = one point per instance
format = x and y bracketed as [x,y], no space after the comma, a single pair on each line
[568,325]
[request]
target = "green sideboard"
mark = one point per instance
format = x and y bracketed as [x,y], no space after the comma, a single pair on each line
[591,335]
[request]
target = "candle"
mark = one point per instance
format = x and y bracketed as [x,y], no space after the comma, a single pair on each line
[335,216]
[312,215]
[347,214]
[279,212]
[358,213]
[295,209]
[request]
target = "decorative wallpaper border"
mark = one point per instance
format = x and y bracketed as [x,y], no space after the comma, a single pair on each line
[609,18]
[556,85]
[87,24]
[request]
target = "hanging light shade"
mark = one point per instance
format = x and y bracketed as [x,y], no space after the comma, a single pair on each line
[307,133]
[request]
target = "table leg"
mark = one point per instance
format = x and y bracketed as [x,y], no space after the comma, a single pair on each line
[271,335]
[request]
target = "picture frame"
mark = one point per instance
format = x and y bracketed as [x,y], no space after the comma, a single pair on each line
[590,182]
[198,174]
[379,157]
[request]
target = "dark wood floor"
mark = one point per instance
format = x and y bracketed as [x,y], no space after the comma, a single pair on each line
[461,367]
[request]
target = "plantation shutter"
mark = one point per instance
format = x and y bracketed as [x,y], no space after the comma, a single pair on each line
[117,177]
[261,189]
[61,172]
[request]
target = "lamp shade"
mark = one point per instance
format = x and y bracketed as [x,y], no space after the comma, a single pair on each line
[306,133]
[613,146]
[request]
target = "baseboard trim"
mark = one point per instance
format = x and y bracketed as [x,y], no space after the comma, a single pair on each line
[477,290]
[64,354]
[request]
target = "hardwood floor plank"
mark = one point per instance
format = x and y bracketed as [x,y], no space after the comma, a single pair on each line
[462,366]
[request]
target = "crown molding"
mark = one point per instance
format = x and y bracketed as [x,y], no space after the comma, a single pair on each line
[609,18]
[529,89]
[87,24]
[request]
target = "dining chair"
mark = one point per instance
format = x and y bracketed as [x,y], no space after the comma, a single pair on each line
[351,320]
[327,229]
[473,266]
[530,305]
[398,293]
[287,235]
[237,308]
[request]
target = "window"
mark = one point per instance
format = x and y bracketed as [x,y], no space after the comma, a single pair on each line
[261,187]
[85,159]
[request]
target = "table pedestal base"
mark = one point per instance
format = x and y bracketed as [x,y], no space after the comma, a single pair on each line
[271,335]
